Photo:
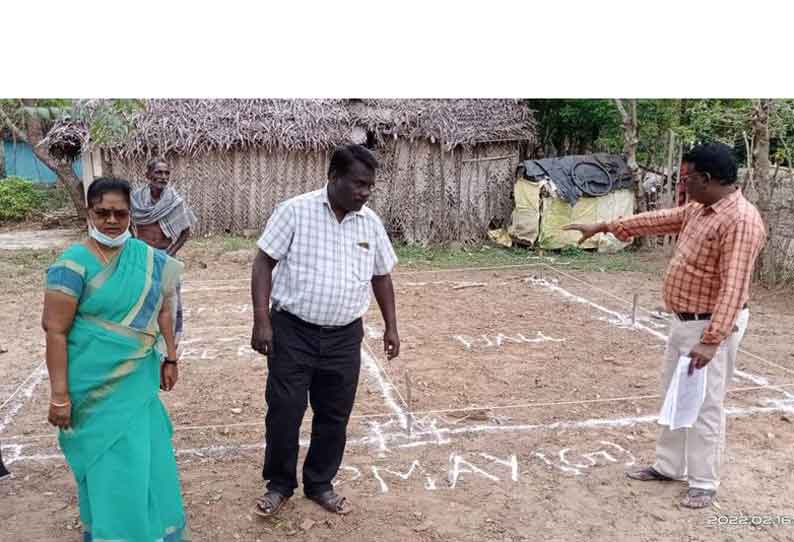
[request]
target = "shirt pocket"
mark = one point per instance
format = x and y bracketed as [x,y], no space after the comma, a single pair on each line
[708,251]
[362,260]
[699,249]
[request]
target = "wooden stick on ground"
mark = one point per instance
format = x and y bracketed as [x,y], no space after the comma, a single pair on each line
[410,417]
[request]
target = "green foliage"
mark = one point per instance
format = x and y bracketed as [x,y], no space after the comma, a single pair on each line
[54,198]
[730,122]
[715,120]
[47,114]
[577,126]
[108,121]
[572,251]
[656,118]
[594,125]
[48,111]
[19,198]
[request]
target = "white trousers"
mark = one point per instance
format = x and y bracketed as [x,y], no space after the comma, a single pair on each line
[693,454]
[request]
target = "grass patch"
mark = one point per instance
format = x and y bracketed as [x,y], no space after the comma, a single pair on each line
[487,255]
[55,198]
[24,266]
[220,244]
[417,256]
[232,243]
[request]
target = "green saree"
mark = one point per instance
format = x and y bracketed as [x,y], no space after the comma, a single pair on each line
[119,444]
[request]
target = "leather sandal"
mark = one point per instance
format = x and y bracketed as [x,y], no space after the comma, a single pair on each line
[698,498]
[332,502]
[269,504]
[648,474]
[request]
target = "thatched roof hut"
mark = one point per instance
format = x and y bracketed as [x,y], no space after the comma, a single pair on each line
[447,165]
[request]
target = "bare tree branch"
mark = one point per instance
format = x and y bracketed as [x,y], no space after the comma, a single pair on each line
[623,113]
[18,133]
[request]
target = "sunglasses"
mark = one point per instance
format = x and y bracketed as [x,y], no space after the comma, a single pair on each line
[104,214]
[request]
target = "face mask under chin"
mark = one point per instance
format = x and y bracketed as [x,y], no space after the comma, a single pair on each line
[106,240]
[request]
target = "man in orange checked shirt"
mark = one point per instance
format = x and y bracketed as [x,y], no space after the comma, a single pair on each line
[706,286]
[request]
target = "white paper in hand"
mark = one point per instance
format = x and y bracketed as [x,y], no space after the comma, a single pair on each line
[684,397]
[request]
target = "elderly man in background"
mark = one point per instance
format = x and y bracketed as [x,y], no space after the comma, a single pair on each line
[162,219]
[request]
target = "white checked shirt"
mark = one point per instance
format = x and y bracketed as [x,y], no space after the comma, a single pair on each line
[325,267]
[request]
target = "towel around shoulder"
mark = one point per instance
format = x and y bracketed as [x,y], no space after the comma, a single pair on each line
[170,211]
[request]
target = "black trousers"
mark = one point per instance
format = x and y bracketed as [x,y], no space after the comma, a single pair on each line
[321,365]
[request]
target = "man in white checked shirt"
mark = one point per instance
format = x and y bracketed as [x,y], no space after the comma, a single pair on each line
[319,255]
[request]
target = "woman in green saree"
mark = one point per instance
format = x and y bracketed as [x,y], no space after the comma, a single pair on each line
[110,345]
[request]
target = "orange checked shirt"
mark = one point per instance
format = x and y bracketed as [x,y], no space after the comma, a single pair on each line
[712,267]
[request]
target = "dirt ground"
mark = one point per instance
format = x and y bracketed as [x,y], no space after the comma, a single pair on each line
[520,397]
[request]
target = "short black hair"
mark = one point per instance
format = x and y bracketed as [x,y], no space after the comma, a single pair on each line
[154,161]
[105,185]
[345,155]
[716,159]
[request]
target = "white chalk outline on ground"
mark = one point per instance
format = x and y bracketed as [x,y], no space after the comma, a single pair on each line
[26,389]
[383,378]
[741,374]
[778,404]
[525,266]
[379,375]
[565,293]
[247,279]
[746,376]
[387,415]
[629,303]
[388,382]
[415,440]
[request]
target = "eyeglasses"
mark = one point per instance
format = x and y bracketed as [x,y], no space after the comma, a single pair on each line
[104,214]
[694,173]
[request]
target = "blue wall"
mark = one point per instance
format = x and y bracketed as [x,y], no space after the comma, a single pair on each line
[21,162]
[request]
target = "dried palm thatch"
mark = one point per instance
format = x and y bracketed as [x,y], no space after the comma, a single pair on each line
[424,193]
[449,122]
[66,140]
[196,127]
[447,166]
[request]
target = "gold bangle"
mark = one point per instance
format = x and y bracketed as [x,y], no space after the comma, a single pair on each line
[58,405]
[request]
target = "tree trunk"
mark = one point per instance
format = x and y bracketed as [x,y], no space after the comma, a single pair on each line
[628,112]
[761,151]
[765,188]
[63,171]
[66,178]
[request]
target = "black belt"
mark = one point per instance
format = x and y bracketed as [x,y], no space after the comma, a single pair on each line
[304,323]
[691,316]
